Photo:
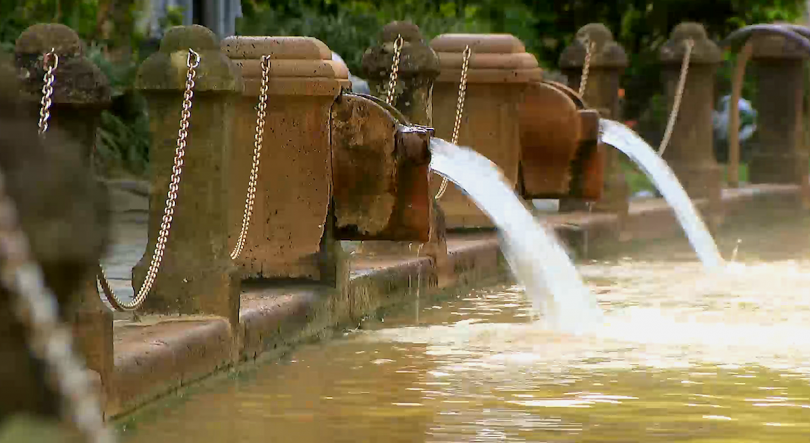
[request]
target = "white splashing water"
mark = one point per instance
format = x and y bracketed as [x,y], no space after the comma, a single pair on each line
[535,255]
[631,144]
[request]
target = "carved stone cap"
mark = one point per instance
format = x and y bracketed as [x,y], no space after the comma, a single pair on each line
[279,48]
[775,46]
[78,80]
[166,69]
[416,59]
[705,51]
[341,73]
[606,52]
[496,58]
[298,65]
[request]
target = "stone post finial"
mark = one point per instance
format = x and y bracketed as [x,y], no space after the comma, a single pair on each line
[418,69]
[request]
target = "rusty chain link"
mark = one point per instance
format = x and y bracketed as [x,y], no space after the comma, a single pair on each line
[36,307]
[586,66]
[257,152]
[192,62]
[462,94]
[47,90]
[392,83]
[678,95]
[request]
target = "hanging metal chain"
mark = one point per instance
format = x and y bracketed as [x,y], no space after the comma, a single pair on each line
[462,94]
[47,90]
[678,95]
[586,66]
[257,152]
[734,114]
[392,83]
[49,340]
[192,62]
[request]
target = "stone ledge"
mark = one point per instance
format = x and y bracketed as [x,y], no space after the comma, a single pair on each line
[272,319]
[161,355]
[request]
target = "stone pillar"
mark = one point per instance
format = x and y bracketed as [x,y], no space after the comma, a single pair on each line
[780,156]
[291,221]
[63,212]
[499,71]
[418,69]
[608,61]
[690,153]
[80,93]
[197,275]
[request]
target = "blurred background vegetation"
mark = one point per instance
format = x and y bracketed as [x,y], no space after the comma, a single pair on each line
[110,28]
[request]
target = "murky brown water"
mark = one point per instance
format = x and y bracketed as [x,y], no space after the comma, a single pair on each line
[682,357]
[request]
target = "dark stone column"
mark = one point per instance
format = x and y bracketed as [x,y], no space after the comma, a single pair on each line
[197,275]
[780,156]
[63,212]
[608,61]
[80,93]
[690,153]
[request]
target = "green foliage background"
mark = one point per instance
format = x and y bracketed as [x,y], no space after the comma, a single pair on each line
[350,26]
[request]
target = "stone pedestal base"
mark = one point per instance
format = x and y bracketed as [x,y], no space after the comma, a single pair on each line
[769,167]
[435,248]
[699,180]
[459,210]
[616,192]
[207,288]
[702,181]
[92,324]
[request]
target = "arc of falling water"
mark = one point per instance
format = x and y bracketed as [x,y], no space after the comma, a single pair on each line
[656,169]
[535,255]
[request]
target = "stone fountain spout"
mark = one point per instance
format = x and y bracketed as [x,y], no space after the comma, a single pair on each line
[560,153]
[380,166]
